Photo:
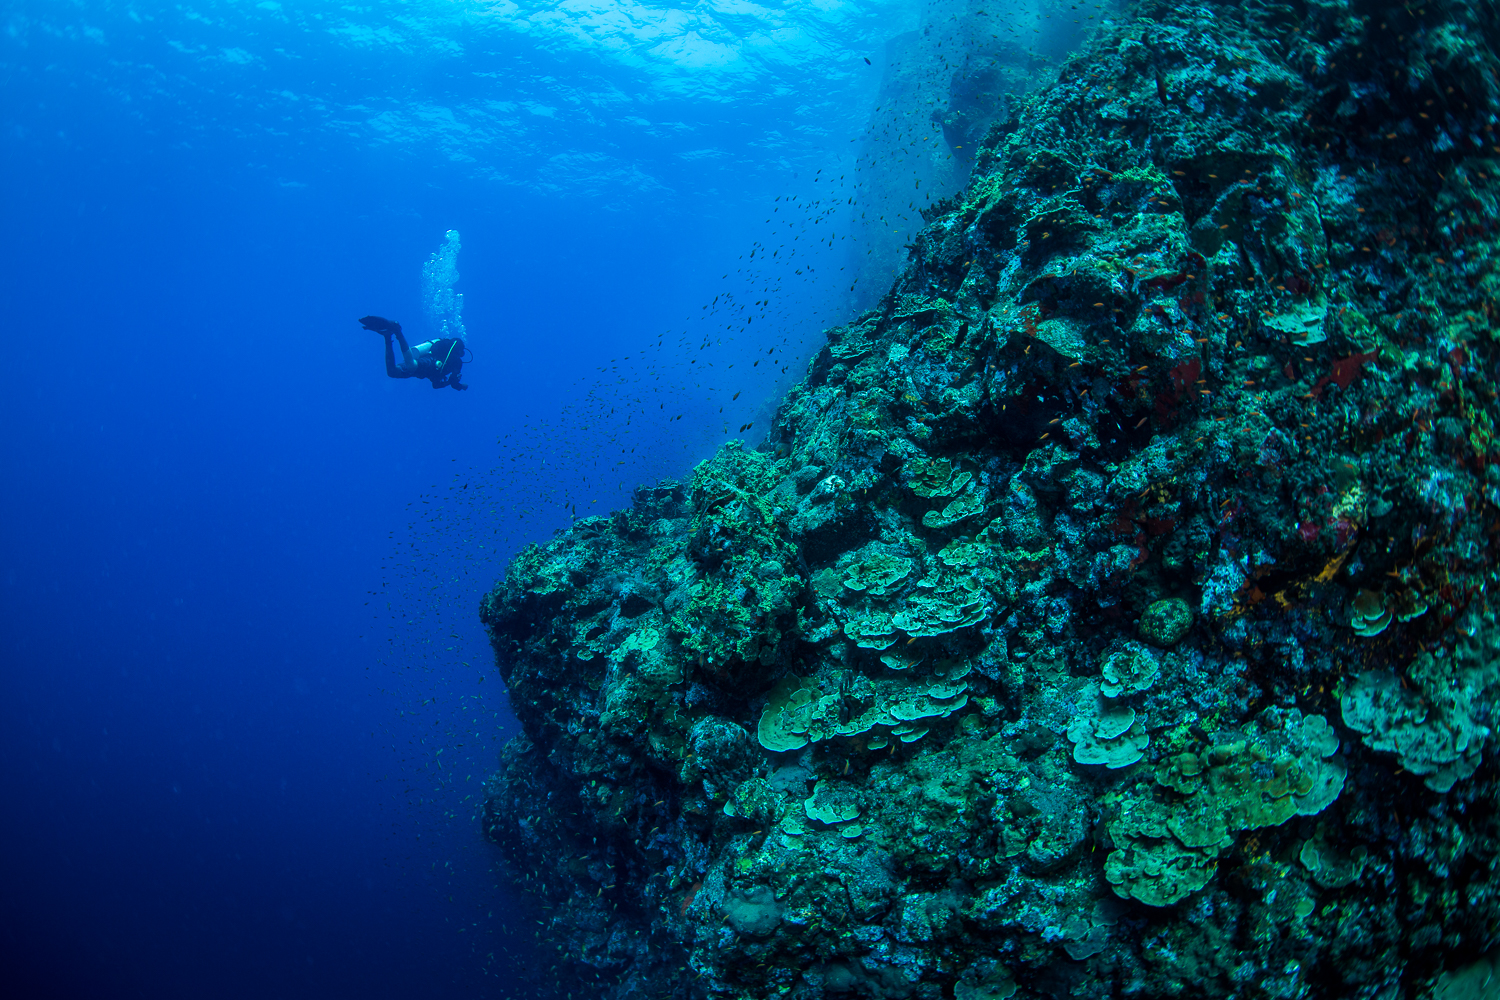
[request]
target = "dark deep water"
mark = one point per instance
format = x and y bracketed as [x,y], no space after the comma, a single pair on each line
[239,564]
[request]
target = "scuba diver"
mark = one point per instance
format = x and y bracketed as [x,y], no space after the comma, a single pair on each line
[439,361]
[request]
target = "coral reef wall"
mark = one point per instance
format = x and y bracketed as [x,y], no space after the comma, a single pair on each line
[1107,613]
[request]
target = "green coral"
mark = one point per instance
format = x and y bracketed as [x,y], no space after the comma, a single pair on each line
[1302,321]
[966,505]
[1369,615]
[934,477]
[642,641]
[798,711]
[966,555]
[1107,733]
[877,574]
[1150,864]
[1127,671]
[984,560]
[901,660]
[1330,867]
[1440,720]
[874,631]
[911,731]
[832,803]
[784,721]
[1279,766]
[998,985]
[941,605]
[1442,746]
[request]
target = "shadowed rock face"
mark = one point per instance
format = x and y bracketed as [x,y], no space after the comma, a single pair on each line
[876,711]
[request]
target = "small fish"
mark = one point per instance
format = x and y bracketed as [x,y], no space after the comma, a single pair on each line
[867,61]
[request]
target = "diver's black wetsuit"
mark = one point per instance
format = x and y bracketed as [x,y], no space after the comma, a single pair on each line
[439,361]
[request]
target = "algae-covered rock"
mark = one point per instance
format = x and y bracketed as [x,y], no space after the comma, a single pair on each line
[1477,980]
[754,913]
[1165,622]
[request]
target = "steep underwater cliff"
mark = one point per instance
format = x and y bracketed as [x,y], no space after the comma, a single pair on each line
[1106,614]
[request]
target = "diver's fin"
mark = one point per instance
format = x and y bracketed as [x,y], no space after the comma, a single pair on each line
[379,324]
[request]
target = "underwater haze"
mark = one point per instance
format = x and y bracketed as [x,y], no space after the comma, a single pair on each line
[244,718]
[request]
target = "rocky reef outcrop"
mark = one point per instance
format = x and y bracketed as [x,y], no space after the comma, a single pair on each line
[1107,612]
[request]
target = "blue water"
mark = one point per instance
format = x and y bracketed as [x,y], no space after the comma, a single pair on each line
[243,714]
